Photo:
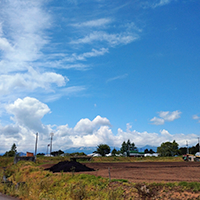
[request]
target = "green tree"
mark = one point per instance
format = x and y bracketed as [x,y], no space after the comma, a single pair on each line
[146,151]
[103,149]
[127,146]
[151,151]
[194,149]
[114,152]
[12,151]
[57,153]
[183,150]
[168,149]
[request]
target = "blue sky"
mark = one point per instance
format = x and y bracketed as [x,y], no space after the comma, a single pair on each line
[99,71]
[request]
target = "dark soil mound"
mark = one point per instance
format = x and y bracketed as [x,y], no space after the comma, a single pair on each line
[69,166]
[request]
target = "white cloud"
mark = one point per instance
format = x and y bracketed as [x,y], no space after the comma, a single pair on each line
[117,78]
[170,116]
[24,23]
[111,39]
[30,81]
[196,117]
[28,112]
[82,57]
[165,116]
[157,121]
[85,126]
[94,23]
[67,91]
[161,3]
[155,3]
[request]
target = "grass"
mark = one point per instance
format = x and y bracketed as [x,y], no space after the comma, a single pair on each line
[28,181]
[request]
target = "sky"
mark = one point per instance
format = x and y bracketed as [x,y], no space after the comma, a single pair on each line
[99,72]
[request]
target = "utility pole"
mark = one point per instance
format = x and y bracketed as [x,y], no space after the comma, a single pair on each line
[36,144]
[51,134]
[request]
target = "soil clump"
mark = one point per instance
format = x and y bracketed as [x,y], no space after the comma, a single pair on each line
[69,166]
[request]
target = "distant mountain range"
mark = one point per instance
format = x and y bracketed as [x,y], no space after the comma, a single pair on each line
[89,150]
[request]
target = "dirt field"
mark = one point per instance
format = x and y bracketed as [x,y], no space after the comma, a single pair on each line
[149,171]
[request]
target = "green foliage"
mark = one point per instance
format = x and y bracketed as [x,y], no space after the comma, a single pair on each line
[57,153]
[77,154]
[114,152]
[195,186]
[103,149]
[168,149]
[194,149]
[127,146]
[149,151]
[12,152]
[119,180]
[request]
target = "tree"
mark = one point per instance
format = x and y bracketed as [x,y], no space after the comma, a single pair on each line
[146,151]
[57,153]
[151,151]
[114,152]
[168,149]
[194,149]
[40,154]
[103,149]
[12,151]
[127,146]
[14,148]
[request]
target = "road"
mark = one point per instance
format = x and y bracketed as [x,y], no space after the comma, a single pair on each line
[5,197]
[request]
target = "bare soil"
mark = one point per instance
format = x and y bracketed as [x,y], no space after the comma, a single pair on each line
[144,171]
[149,171]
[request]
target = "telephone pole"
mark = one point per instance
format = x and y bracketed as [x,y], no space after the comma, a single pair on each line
[36,144]
[51,134]
[187,147]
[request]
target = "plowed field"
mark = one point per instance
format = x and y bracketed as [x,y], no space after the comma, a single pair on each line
[148,171]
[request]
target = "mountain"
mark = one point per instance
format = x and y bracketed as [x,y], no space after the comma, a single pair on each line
[89,150]
[141,149]
[86,150]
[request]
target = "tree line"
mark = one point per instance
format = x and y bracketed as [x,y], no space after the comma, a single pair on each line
[165,149]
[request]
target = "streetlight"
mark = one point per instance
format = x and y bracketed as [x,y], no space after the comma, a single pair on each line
[51,134]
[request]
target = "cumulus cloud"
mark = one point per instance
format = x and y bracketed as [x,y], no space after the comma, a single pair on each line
[85,126]
[28,112]
[165,116]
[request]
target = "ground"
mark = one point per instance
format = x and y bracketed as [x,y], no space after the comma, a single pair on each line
[147,171]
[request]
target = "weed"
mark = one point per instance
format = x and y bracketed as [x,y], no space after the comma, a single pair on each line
[119,180]
[147,191]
